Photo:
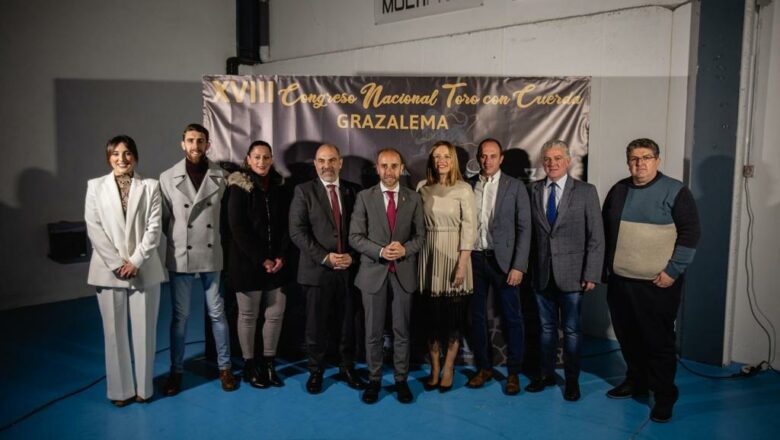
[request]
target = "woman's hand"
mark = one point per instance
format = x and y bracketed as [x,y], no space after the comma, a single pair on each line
[459,276]
[128,271]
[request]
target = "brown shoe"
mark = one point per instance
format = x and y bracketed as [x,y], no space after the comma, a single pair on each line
[512,385]
[172,384]
[123,403]
[229,382]
[479,379]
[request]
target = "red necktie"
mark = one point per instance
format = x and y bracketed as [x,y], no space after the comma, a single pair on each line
[391,211]
[334,204]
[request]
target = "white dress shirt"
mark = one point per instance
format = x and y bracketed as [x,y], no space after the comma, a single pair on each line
[485,192]
[338,193]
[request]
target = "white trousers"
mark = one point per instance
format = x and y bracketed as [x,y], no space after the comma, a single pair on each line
[143,308]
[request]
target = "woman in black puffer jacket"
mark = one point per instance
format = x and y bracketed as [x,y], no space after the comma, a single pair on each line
[257,214]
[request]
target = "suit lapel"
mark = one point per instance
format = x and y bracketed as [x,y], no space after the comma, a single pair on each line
[538,201]
[322,196]
[566,198]
[209,185]
[111,191]
[182,182]
[378,201]
[136,192]
[503,186]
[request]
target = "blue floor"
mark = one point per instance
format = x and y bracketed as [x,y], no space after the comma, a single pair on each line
[52,350]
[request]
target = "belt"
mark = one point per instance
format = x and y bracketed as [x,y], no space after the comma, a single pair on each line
[486,252]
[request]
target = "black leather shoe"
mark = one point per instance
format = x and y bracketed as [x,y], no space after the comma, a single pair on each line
[252,376]
[404,393]
[661,413]
[572,391]
[627,389]
[172,384]
[314,384]
[350,377]
[540,383]
[270,371]
[371,394]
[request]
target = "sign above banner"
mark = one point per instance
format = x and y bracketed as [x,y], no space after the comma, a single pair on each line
[364,114]
[389,11]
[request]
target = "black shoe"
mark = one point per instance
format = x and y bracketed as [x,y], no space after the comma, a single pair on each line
[572,391]
[350,377]
[270,371]
[252,376]
[314,384]
[371,394]
[172,384]
[427,385]
[540,383]
[661,413]
[404,393]
[627,389]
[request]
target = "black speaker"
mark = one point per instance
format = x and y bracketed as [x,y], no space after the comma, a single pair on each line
[68,242]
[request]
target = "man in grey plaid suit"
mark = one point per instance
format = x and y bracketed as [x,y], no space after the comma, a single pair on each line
[567,260]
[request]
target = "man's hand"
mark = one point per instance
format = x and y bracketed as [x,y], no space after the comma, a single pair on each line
[275,266]
[339,261]
[393,251]
[587,286]
[663,280]
[514,278]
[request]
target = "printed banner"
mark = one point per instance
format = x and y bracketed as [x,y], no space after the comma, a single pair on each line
[361,115]
[389,11]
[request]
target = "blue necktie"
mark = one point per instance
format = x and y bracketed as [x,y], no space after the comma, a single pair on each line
[552,212]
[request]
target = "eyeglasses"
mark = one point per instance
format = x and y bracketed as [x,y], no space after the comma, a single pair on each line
[636,160]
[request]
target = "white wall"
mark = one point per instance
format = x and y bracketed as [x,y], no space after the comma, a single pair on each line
[638,58]
[74,74]
[749,343]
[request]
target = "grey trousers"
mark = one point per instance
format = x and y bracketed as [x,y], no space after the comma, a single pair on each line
[375,304]
[274,302]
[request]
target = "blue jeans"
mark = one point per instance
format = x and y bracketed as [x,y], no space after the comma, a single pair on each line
[182,285]
[569,304]
[487,273]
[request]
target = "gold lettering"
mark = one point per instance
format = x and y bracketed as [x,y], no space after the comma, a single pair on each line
[341,121]
[239,95]
[380,123]
[220,87]
[285,95]
[452,88]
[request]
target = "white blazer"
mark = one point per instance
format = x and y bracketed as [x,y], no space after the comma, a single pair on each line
[117,238]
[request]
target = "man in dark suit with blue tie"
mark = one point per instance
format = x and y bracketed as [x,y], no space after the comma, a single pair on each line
[499,259]
[567,260]
[388,230]
[320,213]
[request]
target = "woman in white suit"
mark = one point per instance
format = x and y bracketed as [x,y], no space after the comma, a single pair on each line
[123,214]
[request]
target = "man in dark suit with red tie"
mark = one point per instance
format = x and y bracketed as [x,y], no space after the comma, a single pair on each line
[319,222]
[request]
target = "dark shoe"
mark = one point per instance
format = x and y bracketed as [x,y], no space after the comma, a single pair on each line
[572,391]
[172,384]
[314,384]
[512,385]
[253,377]
[661,413]
[140,399]
[350,377]
[123,403]
[404,393]
[428,384]
[479,379]
[270,373]
[444,388]
[229,382]
[625,390]
[540,383]
[371,394]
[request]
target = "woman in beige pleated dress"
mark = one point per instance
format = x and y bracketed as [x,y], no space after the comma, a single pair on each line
[445,261]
